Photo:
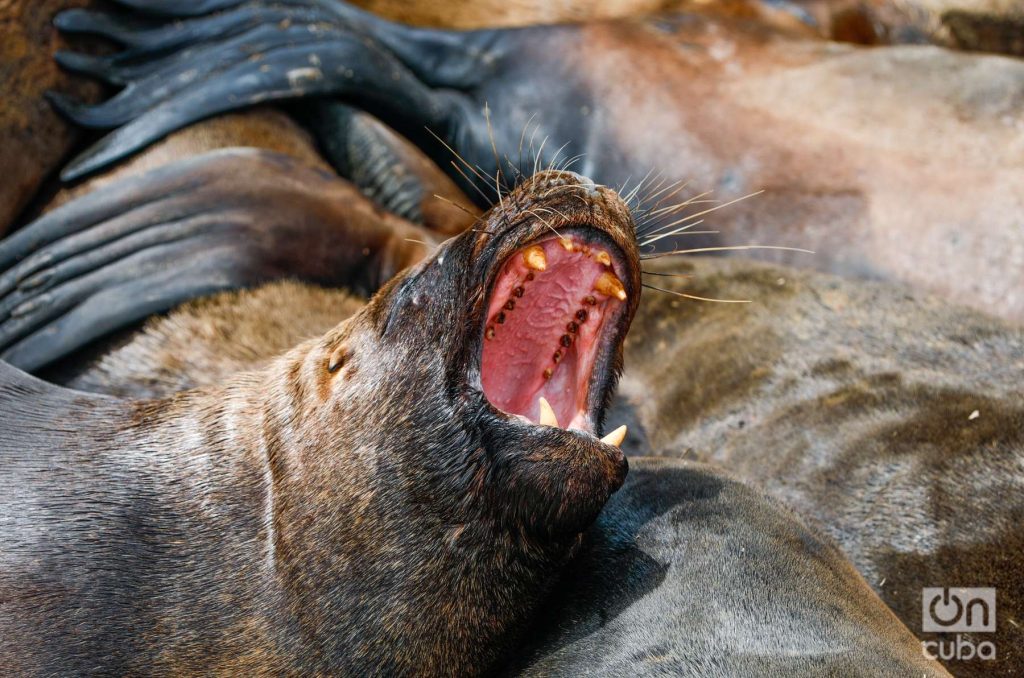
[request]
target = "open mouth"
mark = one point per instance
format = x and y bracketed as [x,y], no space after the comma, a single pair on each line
[552,306]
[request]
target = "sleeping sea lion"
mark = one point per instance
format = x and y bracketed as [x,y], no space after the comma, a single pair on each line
[857,179]
[321,515]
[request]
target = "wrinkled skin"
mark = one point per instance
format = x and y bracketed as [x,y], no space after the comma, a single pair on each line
[857,179]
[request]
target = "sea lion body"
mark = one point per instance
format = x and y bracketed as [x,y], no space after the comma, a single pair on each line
[689,572]
[893,419]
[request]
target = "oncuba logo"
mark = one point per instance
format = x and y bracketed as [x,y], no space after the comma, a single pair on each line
[958,610]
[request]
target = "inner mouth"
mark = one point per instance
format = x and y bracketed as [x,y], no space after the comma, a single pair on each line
[550,306]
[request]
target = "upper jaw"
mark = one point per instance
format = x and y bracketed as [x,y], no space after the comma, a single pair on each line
[606,355]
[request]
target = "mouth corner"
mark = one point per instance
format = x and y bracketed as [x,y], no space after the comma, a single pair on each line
[553,323]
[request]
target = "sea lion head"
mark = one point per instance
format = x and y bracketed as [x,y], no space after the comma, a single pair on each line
[533,304]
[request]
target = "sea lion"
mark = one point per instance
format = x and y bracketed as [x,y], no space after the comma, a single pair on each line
[677,531]
[688,572]
[893,419]
[317,516]
[857,179]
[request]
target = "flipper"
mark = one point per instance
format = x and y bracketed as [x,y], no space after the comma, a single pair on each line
[387,168]
[413,79]
[224,220]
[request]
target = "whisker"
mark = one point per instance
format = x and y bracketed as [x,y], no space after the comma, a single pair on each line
[680,205]
[668,275]
[474,170]
[667,188]
[476,216]
[682,230]
[675,208]
[522,137]
[545,222]
[551,165]
[472,183]
[712,209]
[659,255]
[695,297]
[494,148]
[632,194]
[540,152]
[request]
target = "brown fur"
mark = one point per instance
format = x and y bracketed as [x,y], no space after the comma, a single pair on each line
[205,342]
[857,179]
[267,128]
[893,419]
[33,139]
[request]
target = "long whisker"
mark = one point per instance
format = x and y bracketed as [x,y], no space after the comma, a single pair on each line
[494,148]
[522,137]
[472,183]
[682,230]
[667,275]
[545,222]
[476,216]
[659,255]
[695,297]
[709,210]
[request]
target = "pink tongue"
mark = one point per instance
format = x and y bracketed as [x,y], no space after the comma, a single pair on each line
[519,358]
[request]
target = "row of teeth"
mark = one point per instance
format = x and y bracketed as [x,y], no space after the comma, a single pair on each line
[548,418]
[607,283]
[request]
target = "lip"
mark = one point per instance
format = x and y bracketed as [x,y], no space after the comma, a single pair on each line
[614,323]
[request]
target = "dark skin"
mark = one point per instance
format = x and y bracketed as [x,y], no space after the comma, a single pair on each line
[315,516]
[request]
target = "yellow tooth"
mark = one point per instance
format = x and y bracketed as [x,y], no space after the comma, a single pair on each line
[534,258]
[566,244]
[547,415]
[615,437]
[610,286]
[602,257]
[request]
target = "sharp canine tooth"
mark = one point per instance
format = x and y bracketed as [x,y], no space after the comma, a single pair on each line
[615,437]
[602,257]
[610,286]
[547,415]
[535,258]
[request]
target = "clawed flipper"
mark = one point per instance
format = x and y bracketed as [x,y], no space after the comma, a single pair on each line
[177,72]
